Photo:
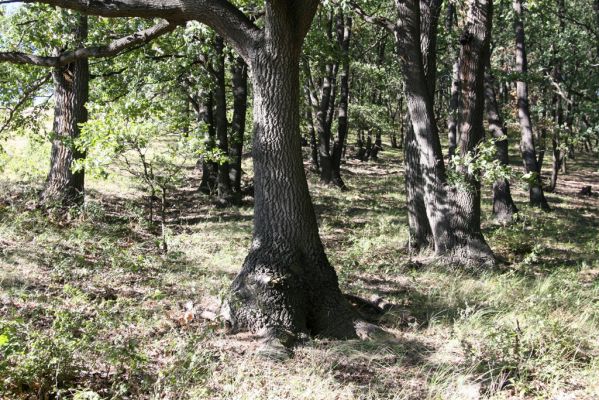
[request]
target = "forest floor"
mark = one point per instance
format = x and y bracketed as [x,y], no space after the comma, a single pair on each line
[91,309]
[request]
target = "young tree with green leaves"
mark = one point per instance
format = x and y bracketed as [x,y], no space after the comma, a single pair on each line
[71,76]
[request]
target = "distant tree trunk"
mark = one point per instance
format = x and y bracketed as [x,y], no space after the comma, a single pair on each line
[452,115]
[205,114]
[313,141]
[240,92]
[504,207]
[527,145]
[322,126]
[71,92]
[344,30]
[225,192]
[287,289]
[558,112]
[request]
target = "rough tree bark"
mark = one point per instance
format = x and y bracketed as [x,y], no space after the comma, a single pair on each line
[421,237]
[287,288]
[240,92]
[474,52]
[71,92]
[527,145]
[453,212]
[504,207]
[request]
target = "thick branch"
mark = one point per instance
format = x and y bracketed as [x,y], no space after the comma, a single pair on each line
[226,19]
[110,50]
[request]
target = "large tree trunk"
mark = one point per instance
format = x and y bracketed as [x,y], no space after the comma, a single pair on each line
[225,192]
[71,91]
[287,289]
[527,145]
[420,229]
[504,207]
[344,29]
[475,48]
[451,212]
[240,92]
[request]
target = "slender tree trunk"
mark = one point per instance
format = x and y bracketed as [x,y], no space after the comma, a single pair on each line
[71,92]
[225,192]
[452,115]
[454,100]
[558,112]
[313,140]
[344,30]
[322,126]
[209,167]
[287,289]
[527,145]
[240,92]
[504,207]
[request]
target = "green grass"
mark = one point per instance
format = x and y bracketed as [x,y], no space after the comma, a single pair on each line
[91,309]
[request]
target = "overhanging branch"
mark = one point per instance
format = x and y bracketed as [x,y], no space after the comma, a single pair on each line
[110,50]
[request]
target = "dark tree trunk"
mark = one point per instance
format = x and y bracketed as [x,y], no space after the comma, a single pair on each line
[71,91]
[344,30]
[451,212]
[225,192]
[504,207]
[474,53]
[596,8]
[527,145]
[323,107]
[287,289]
[240,92]
[322,126]
[209,168]
[452,115]
[420,230]
[313,142]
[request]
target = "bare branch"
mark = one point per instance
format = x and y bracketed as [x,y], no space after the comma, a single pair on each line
[373,19]
[26,96]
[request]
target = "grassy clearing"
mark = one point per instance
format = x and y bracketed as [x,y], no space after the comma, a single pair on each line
[90,309]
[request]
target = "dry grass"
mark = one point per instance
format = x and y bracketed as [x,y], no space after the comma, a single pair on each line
[90,309]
